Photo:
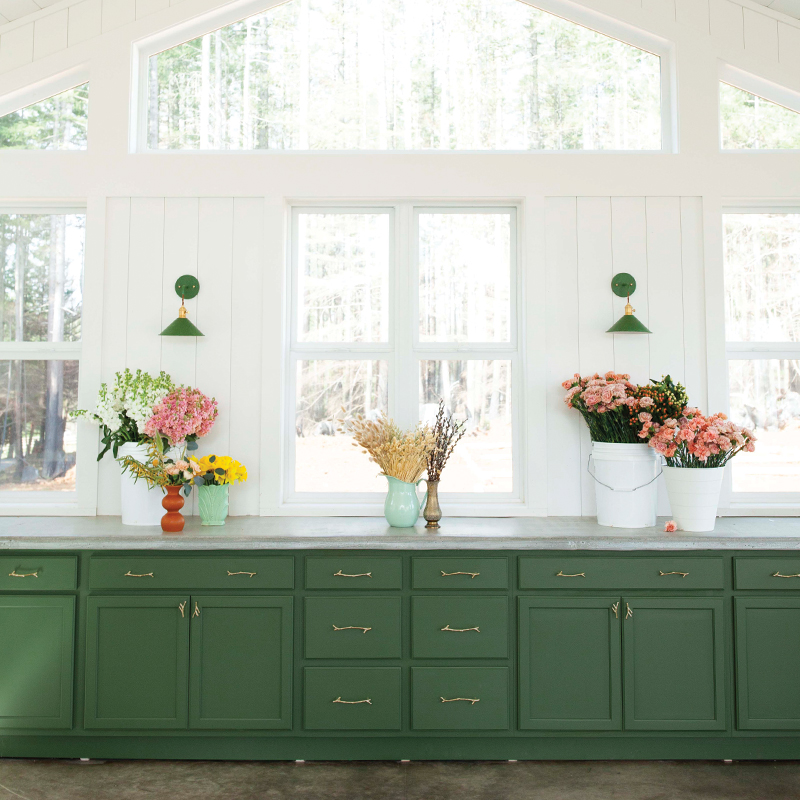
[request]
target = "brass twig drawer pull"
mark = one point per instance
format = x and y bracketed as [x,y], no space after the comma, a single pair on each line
[778,575]
[352,628]
[682,574]
[561,574]
[15,574]
[471,700]
[250,574]
[130,574]
[182,607]
[448,574]
[460,630]
[628,611]
[341,574]
[615,609]
[196,612]
[352,702]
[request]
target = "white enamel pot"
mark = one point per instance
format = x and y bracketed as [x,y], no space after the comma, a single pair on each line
[694,496]
[140,505]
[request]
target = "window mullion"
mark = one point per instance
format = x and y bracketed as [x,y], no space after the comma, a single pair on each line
[404,388]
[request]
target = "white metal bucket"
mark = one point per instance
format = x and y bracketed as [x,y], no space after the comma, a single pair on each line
[625,484]
[694,496]
[140,505]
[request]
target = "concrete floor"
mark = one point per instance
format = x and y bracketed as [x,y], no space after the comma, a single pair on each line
[431,780]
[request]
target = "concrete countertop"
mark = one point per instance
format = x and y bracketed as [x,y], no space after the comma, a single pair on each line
[372,533]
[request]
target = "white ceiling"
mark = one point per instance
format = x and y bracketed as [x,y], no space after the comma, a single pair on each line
[789,7]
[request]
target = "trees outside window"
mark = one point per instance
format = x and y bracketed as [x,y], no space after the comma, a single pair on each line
[404,75]
[57,123]
[41,298]
[750,122]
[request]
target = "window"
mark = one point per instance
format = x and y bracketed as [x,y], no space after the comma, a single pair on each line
[395,308]
[403,75]
[41,275]
[750,122]
[57,123]
[762,298]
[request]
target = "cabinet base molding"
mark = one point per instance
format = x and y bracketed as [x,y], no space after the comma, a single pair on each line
[417,748]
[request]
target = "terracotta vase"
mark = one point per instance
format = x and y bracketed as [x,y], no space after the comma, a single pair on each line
[173,521]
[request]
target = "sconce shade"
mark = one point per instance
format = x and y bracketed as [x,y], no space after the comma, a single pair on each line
[185,286]
[624,285]
[181,327]
[628,324]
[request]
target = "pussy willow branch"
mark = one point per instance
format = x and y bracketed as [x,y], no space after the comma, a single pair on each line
[446,434]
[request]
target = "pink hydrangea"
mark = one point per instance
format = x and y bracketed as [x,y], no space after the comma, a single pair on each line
[184,413]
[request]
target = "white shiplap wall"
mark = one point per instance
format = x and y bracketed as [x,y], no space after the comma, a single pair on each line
[150,242]
[588,240]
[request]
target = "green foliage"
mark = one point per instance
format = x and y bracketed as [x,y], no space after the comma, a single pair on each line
[57,123]
[750,122]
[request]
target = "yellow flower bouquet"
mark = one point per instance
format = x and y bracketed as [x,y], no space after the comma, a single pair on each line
[216,475]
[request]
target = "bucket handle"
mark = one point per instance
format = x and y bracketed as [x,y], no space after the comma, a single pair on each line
[635,488]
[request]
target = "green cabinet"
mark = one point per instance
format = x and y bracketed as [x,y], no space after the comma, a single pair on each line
[137,662]
[569,663]
[768,663]
[674,673]
[241,663]
[36,663]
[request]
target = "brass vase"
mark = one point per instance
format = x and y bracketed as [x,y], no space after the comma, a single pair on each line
[432,511]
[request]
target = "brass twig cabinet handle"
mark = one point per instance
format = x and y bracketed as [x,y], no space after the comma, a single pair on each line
[352,702]
[341,574]
[472,575]
[778,575]
[15,574]
[628,611]
[560,574]
[615,609]
[352,628]
[196,612]
[460,630]
[471,700]
[249,574]
[130,574]
[182,607]
[682,574]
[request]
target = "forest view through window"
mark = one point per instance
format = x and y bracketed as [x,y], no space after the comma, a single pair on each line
[41,275]
[57,123]
[750,122]
[404,75]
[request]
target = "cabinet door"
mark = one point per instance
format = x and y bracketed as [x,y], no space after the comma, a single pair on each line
[674,664]
[241,663]
[768,663]
[569,672]
[36,662]
[137,662]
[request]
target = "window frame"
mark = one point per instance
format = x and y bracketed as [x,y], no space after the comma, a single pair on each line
[402,351]
[601,23]
[754,503]
[82,501]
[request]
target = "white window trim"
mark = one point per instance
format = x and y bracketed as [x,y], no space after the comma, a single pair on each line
[766,90]
[734,504]
[567,10]
[401,357]
[82,501]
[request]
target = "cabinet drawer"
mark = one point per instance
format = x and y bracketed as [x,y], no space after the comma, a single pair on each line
[198,572]
[459,627]
[459,573]
[654,572]
[459,698]
[352,627]
[767,573]
[352,698]
[38,573]
[354,572]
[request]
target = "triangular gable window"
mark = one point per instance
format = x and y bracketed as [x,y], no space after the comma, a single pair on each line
[57,123]
[750,122]
[404,75]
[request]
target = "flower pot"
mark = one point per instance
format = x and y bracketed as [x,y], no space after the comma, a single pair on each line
[625,484]
[402,506]
[173,521]
[212,502]
[694,496]
[140,505]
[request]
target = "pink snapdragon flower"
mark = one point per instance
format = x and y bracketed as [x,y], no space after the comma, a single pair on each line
[184,413]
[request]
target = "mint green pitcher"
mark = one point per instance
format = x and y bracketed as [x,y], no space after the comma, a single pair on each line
[402,506]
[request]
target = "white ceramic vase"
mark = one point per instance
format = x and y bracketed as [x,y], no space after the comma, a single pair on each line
[625,484]
[140,505]
[694,496]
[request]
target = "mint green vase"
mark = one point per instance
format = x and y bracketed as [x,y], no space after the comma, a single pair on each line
[213,504]
[402,506]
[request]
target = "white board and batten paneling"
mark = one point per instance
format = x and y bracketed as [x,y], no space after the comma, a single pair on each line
[659,241]
[150,242]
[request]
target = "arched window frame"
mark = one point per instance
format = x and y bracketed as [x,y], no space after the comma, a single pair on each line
[571,12]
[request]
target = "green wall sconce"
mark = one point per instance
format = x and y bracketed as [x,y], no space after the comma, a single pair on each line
[624,285]
[186,287]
